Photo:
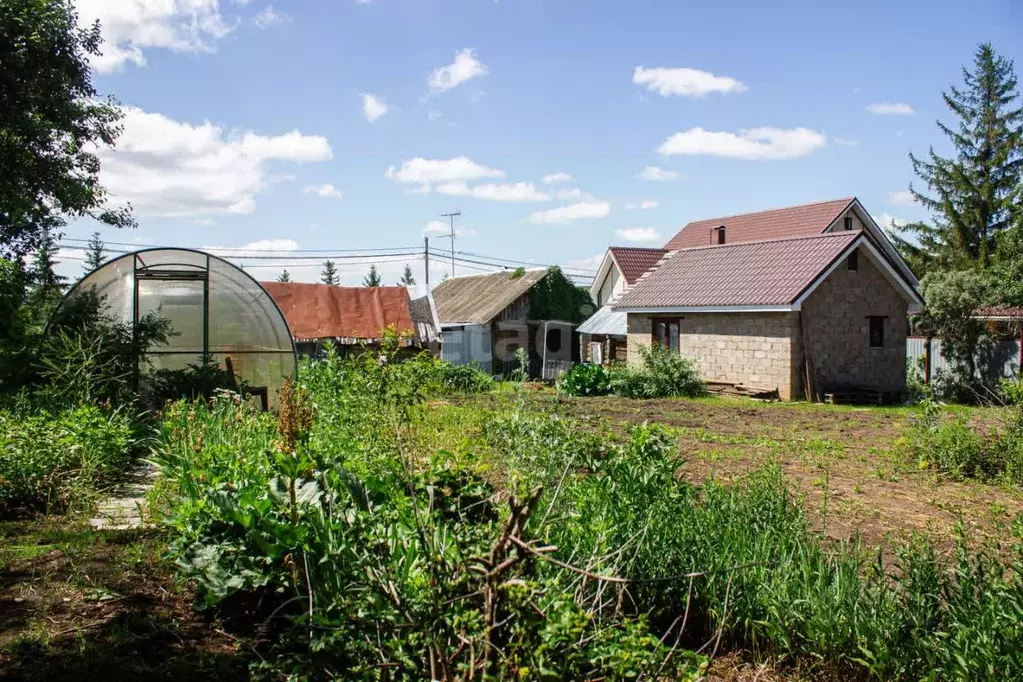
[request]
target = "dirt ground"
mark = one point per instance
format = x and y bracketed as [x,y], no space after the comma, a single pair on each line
[851,464]
[78,604]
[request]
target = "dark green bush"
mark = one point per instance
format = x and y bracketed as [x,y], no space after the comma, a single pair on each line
[586,380]
[464,378]
[201,379]
[54,461]
[664,374]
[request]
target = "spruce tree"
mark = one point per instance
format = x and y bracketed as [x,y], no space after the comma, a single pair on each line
[970,194]
[94,255]
[284,276]
[407,278]
[372,279]
[329,274]
[46,286]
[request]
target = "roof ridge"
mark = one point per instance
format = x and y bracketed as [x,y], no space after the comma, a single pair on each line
[639,248]
[771,241]
[848,200]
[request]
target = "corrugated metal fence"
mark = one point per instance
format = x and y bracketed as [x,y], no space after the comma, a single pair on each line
[1006,354]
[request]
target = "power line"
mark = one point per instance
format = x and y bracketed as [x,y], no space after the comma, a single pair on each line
[415,250]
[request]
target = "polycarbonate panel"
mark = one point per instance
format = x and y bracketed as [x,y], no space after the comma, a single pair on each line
[242,316]
[181,302]
[244,323]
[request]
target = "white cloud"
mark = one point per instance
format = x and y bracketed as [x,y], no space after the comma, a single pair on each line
[566,214]
[426,172]
[434,115]
[444,229]
[130,28]
[205,222]
[267,17]
[258,247]
[756,143]
[465,67]
[887,220]
[644,205]
[327,191]
[519,191]
[170,168]
[638,234]
[684,81]
[903,198]
[656,174]
[552,178]
[890,108]
[844,142]
[373,107]
[573,193]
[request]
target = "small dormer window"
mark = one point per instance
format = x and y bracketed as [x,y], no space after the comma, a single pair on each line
[848,222]
[720,234]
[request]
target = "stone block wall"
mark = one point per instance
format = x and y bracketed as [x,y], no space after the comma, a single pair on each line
[640,330]
[754,349]
[836,316]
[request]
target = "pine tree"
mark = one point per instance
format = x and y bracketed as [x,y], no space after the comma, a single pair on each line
[372,279]
[94,255]
[970,194]
[284,276]
[46,286]
[329,274]
[407,278]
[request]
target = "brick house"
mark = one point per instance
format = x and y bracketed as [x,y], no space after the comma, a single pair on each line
[804,300]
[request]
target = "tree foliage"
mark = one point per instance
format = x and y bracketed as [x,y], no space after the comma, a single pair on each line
[51,120]
[555,298]
[94,254]
[284,276]
[970,194]
[329,274]
[407,278]
[372,278]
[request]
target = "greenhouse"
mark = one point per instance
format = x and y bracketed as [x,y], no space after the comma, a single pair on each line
[215,309]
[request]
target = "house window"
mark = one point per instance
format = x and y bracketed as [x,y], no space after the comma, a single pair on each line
[848,222]
[596,352]
[876,331]
[853,261]
[720,234]
[665,333]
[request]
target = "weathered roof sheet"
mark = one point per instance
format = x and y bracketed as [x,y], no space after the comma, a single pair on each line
[606,320]
[346,314]
[794,221]
[424,316]
[634,261]
[478,299]
[999,312]
[764,273]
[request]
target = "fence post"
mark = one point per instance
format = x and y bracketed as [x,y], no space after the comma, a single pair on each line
[927,361]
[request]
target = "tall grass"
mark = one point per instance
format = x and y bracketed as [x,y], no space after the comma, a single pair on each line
[595,559]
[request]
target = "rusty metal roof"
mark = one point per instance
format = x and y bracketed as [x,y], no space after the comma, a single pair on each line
[794,221]
[633,261]
[478,299]
[774,272]
[346,314]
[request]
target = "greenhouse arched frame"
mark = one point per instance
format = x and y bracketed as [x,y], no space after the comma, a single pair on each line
[216,311]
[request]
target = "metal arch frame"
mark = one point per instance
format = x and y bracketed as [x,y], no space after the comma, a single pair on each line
[134,255]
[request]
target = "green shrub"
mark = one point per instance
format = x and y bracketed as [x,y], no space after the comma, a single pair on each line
[1012,389]
[201,379]
[586,380]
[664,374]
[464,378]
[53,462]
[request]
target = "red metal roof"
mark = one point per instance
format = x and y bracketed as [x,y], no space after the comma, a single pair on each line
[348,314]
[634,261]
[794,221]
[766,273]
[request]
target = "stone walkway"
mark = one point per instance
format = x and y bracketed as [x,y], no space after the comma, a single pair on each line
[126,507]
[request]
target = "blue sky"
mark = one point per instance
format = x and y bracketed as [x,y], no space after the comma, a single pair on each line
[247,125]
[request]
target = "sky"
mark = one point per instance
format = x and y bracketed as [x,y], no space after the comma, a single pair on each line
[296,128]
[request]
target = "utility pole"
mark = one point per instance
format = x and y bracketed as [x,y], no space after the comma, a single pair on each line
[426,261]
[451,216]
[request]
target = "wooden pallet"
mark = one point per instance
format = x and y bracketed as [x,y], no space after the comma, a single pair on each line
[741,390]
[861,396]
